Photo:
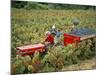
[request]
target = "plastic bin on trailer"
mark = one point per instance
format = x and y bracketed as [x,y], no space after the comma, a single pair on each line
[77,36]
[30,49]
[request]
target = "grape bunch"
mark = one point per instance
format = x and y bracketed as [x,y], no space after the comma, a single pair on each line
[84,31]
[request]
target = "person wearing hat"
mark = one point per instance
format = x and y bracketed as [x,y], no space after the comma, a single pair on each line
[74,26]
[49,38]
[48,42]
[53,29]
[57,33]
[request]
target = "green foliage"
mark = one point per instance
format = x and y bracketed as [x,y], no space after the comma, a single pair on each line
[28,27]
[30,68]
[24,64]
[18,4]
[56,58]
[86,50]
[20,69]
[47,6]
[33,6]
[27,58]
[36,57]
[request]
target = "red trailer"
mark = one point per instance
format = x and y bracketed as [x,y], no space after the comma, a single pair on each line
[30,49]
[78,36]
[70,39]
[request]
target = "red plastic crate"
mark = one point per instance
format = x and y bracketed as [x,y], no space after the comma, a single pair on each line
[70,39]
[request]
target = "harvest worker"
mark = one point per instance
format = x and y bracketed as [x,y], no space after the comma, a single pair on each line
[57,37]
[50,38]
[53,29]
[74,26]
[57,33]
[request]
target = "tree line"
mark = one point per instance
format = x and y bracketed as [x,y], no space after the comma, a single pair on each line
[46,6]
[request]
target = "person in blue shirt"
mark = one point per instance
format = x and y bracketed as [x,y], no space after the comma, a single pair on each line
[57,37]
[58,34]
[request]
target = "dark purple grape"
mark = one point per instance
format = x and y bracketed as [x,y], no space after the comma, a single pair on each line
[83,31]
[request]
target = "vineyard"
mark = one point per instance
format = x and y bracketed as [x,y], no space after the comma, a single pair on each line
[29,27]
